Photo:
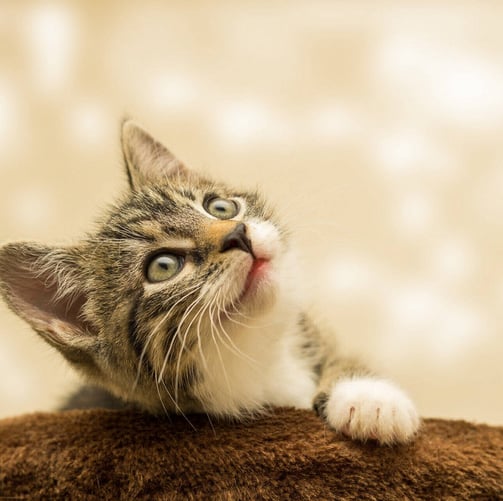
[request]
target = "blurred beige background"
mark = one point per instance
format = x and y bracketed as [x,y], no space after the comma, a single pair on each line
[375,126]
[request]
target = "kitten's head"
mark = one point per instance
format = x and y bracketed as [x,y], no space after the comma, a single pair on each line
[179,263]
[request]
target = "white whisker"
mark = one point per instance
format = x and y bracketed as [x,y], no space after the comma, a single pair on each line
[179,359]
[232,347]
[212,326]
[199,343]
[178,408]
[160,397]
[177,334]
[151,335]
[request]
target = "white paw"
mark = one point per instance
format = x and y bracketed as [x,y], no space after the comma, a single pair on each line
[368,408]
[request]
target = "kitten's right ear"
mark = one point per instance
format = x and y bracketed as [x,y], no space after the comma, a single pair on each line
[147,160]
[45,287]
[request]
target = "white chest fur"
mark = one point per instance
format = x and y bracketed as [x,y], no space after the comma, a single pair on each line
[256,366]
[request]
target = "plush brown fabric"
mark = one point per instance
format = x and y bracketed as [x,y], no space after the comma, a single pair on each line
[290,454]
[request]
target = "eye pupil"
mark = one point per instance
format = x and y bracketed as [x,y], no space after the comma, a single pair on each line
[163,264]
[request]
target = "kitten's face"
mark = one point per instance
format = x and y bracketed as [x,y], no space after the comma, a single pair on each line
[181,262]
[169,276]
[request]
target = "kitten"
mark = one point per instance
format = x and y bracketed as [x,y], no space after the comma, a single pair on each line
[185,300]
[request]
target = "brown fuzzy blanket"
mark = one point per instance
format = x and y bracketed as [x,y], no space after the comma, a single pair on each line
[289,454]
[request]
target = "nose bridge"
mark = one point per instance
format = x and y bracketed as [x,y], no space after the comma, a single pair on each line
[217,230]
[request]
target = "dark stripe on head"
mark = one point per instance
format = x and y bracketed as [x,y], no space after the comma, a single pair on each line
[170,229]
[124,234]
[167,202]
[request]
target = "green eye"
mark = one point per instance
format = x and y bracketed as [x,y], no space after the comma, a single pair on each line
[163,267]
[222,208]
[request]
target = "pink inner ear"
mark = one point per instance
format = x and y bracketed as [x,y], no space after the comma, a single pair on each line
[36,297]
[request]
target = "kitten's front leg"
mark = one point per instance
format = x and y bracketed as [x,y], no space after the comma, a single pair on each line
[363,406]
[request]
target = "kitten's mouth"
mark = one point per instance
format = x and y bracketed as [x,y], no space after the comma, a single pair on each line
[257,271]
[256,275]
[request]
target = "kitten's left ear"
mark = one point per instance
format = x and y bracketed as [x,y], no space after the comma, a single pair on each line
[147,160]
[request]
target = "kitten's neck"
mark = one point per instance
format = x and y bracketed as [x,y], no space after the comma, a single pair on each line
[259,361]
